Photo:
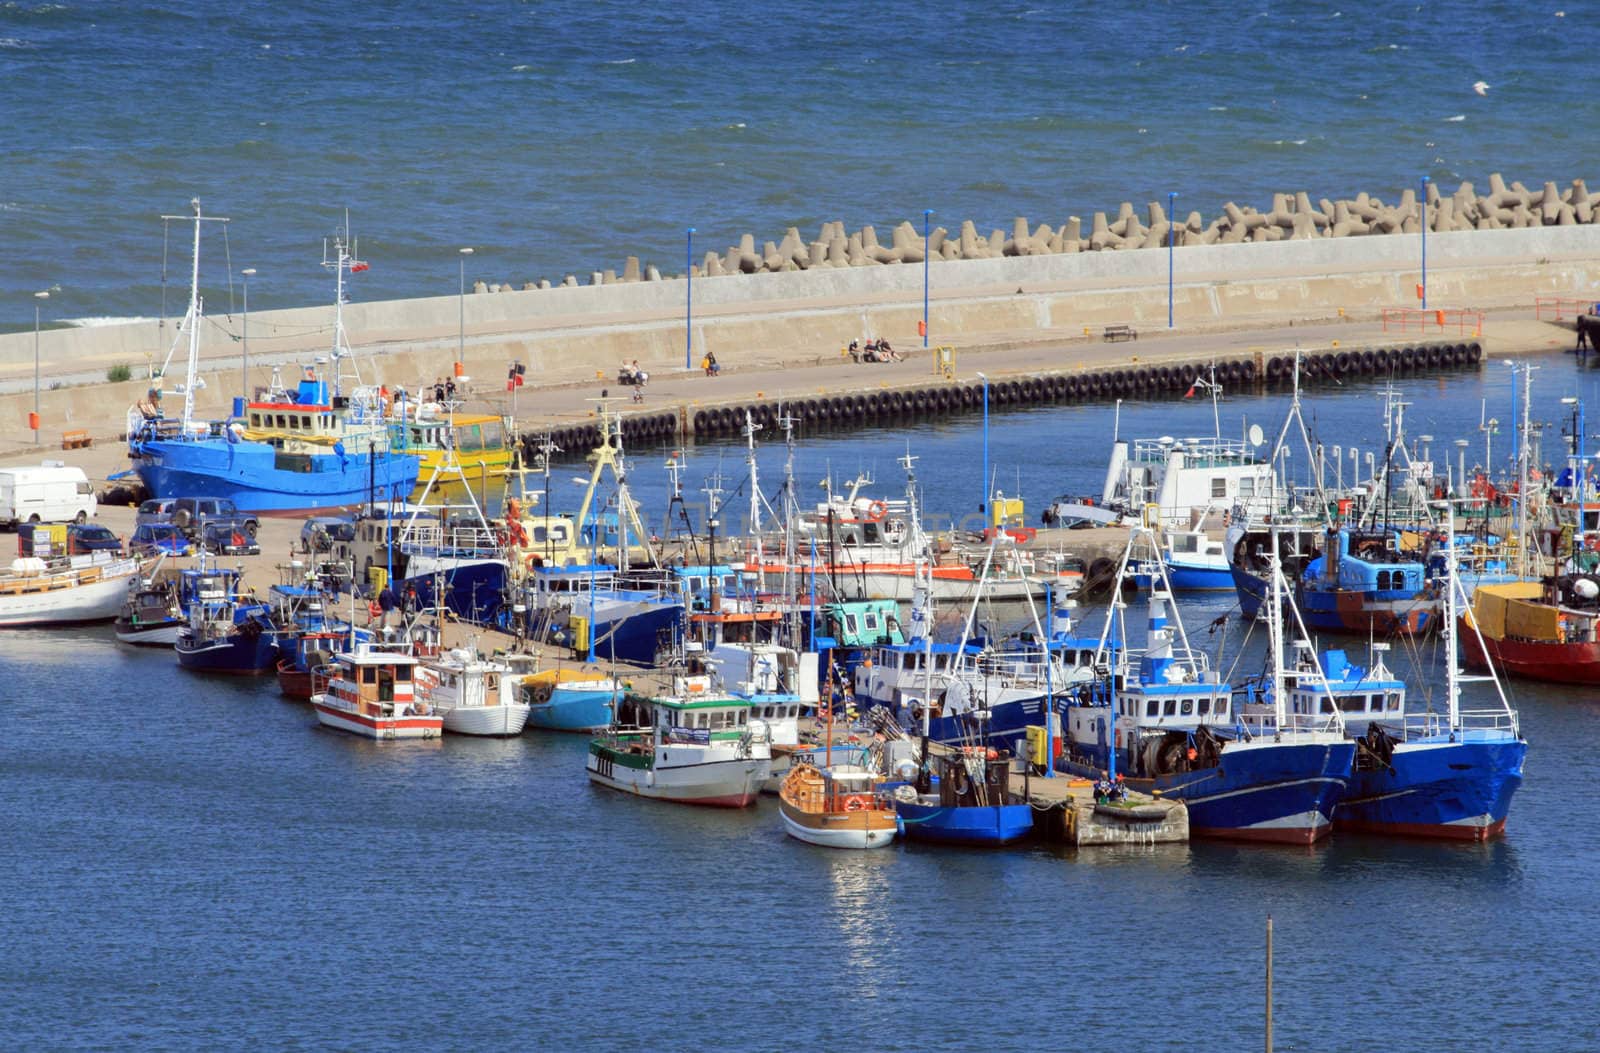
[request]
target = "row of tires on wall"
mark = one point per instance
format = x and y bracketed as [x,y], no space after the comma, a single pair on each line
[1136,381]
[643,429]
[845,410]
[1386,361]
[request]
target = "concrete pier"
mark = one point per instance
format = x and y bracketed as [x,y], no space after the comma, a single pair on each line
[1070,802]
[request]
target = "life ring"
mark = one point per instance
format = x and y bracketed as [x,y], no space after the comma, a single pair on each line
[876,511]
[853,803]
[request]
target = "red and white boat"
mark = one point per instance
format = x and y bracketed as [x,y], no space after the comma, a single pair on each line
[374,695]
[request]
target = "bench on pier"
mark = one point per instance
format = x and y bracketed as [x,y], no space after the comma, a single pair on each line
[1114,333]
[77,439]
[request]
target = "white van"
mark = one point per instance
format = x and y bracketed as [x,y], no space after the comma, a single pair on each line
[45,494]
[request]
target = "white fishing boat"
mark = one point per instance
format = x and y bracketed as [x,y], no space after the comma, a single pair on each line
[474,695]
[374,695]
[70,591]
[699,748]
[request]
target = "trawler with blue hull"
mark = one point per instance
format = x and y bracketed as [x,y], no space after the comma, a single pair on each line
[1170,725]
[1433,774]
[291,453]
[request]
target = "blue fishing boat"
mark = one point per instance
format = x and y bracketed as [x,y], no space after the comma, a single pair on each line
[588,609]
[1171,727]
[227,633]
[1368,582]
[291,453]
[964,798]
[1444,775]
[571,699]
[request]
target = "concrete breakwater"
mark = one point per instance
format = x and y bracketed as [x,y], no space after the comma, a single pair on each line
[1290,217]
[860,408]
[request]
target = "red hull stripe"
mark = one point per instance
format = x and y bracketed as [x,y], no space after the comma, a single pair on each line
[1431,831]
[1301,835]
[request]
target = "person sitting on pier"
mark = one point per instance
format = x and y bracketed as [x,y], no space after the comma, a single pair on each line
[855,350]
[1102,789]
[709,364]
[626,373]
[887,353]
[1119,789]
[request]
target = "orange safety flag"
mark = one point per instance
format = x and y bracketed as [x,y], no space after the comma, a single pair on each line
[1190,393]
[359,266]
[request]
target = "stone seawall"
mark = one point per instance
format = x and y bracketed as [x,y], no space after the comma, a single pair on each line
[1291,217]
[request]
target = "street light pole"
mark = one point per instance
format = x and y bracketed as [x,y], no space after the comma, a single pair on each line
[244,366]
[984,506]
[688,300]
[1172,240]
[1422,214]
[927,213]
[461,338]
[37,298]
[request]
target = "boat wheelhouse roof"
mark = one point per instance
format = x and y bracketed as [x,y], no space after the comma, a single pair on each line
[719,702]
[924,647]
[377,658]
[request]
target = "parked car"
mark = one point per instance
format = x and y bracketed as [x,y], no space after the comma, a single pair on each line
[220,539]
[155,510]
[157,539]
[191,513]
[91,537]
[323,533]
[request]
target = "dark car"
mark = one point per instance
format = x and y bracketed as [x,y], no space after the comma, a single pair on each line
[221,539]
[194,513]
[91,537]
[158,539]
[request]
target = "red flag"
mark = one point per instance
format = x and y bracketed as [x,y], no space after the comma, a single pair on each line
[359,265]
[1190,393]
[519,380]
[510,384]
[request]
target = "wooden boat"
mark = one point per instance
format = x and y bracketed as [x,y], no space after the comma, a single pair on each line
[836,807]
[89,588]
[374,695]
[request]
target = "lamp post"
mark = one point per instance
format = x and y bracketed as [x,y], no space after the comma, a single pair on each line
[461,336]
[244,365]
[38,299]
[1422,216]
[688,300]
[984,505]
[1172,240]
[927,213]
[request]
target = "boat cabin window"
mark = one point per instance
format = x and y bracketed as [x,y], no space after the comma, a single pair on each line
[1219,486]
[1187,708]
[1170,708]
[369,674]
[1204,706]
[1222,707]
[1349,704]
[1392,702]
[870,621]
[850,624]
[1247,486]
[1185,543]
[1152,708]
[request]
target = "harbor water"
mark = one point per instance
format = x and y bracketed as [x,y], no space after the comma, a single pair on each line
[192,863]
[562,137]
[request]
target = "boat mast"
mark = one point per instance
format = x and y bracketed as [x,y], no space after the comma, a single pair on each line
[191,319]
[342,260]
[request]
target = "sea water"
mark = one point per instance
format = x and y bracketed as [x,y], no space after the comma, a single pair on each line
[192,863]
[557,138]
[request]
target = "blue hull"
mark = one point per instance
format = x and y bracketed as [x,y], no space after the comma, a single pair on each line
[1283,792]
[1460,791]
[967,825]
[637,637]
[1386,613]
[246,474]
[572,710]
[1007,723]
[472,591]
[1190,579]
[240,654]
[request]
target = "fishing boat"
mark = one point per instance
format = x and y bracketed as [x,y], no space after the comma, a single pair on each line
[227,633]
[836,806]
[1449,774]
[152,614]
[291,453]
[699,748]
[437,435]
[71,590]
[474,695]
[571,699]
[1170,725]
[963,797]
[374,694]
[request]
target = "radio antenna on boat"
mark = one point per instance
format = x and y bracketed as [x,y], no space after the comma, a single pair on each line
[342,260]
[190,326]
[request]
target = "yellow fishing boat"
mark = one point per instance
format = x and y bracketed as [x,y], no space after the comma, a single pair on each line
[483,447]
